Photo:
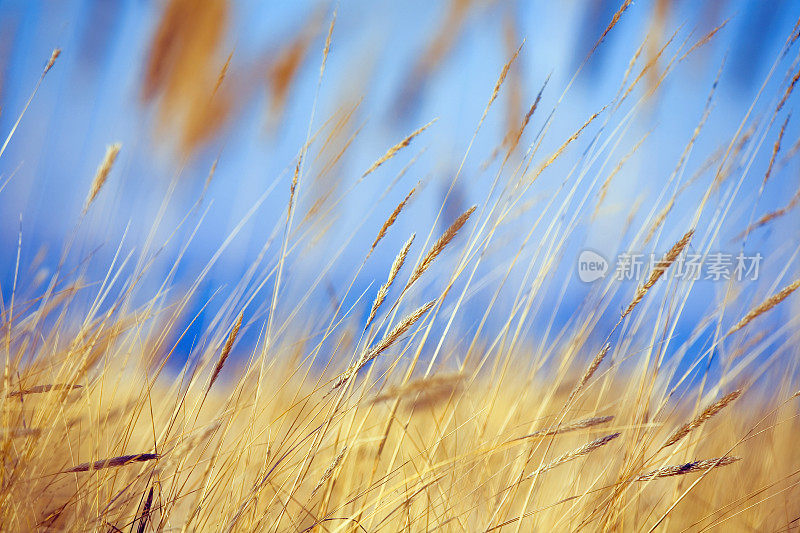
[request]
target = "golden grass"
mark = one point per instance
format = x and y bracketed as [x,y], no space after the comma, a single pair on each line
[425,416]
[462,470]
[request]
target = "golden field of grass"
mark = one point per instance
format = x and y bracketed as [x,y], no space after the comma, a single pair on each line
[289,415]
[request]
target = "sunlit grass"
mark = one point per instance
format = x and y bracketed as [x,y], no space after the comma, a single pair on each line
[396,409]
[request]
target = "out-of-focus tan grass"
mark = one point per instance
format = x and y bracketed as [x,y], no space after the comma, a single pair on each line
[324,423]
[461,454]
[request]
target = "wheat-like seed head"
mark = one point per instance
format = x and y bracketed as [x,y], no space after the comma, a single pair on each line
[614,20]
[502,78]
[590,370]
[399,330]
[574,454]
[326,50]
[601,195]
[39,389]
[209,178]
[101,175]
[113,462]
[393,271]
[223,72]
[428,389]
[514,142]
[391,152]
[765,306]
[52,60]
[659,220]
[145,514]
[659,270]
[438,246]
[226,350]
[769,217]
[390,221]
[706,38]
[389,339]
[329,471]
[707,413]
[555,155]
[775,149]
[566,428]
[788,92]
[688,468]
[293,186]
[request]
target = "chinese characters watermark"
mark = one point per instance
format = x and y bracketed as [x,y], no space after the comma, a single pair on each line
[633,266]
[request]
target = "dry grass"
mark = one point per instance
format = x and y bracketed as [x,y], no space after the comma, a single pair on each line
[607,420]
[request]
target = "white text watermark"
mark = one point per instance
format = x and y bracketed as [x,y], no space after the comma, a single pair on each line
[632,266]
